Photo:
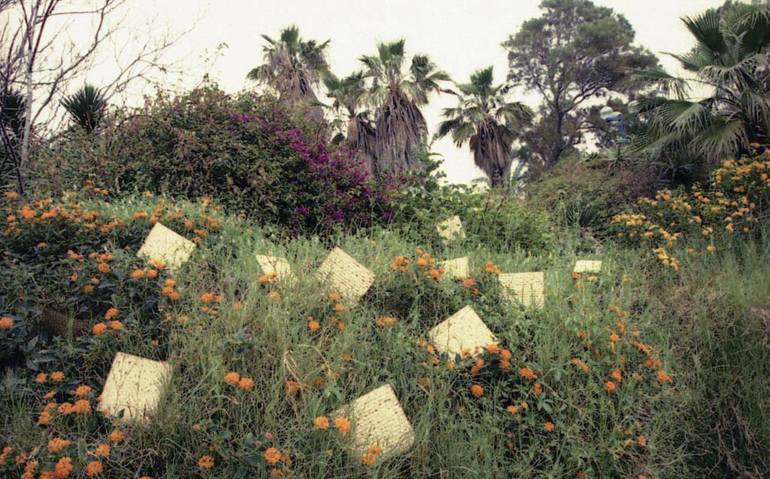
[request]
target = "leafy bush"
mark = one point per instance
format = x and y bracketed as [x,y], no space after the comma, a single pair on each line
[247,151]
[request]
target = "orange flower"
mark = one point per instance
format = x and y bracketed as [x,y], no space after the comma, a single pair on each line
[207,297]
[116,325]
[334,297]
[549,426]
[266,278]
[57,376]
[6,323]
[313,325]
[94,468]
[641,440]
[491,267]
[579,363]
[493,348]
[158,264]
[117,436]
[477,390]
[386,321]
[274,296]
[614,337]
[505,355]
[57,445]
[137,274]
[527,373]
[663,377]
[272,455]
[424,382]
[321,422]
[616,375]
[99,329]
[102,450]
[610,386]
[292,388]
[152,273]
[82,391]
[206,462]
[111,313]
[103,267]
[339,307]
[436,274]
[27,213]
[63,468]
[81,406]
[537,389]
[246,384]
[88,289]
[512,409]
[342,424]
[232,378]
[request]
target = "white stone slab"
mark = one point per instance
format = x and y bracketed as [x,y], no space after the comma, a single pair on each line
[525,288]
[343,274]
[377,418]
[162,244]
[276,264]
[456,268]
[462,332]
[451,229]
[587,266]
[134,386]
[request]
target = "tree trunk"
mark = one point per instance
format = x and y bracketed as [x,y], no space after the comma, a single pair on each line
[28,95]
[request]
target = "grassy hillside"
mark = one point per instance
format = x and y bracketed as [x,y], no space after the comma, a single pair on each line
[634,325]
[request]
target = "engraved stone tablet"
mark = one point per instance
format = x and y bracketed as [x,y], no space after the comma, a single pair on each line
[134,386]
[343,274]
[526,288]
[274,264]
[456,268]
[162,244]
[462,332]
[587,266]
[451,229]
[377,418]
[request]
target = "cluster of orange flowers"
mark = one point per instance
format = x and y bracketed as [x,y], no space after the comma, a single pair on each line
[426,265]
[109,323]
[243,382]
[6,323]
[371,455]
[341,424]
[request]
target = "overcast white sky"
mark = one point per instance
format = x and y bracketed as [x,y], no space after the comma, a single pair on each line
[460,35]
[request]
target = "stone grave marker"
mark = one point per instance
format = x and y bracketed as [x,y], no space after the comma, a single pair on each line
[134,386]
[462,332]
[456,268]
[526,288]
[377,418]
[451,229]
[277,265]
[343,274]
[587,266]
[162,244]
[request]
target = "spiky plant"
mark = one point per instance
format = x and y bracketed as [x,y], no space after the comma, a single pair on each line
[730,61]
[86,107]
[293,67]
[397,93]
[486,120]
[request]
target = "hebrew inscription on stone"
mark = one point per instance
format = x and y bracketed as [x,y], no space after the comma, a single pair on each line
[456,268]
[451,229]
[343,274]
[134,387]
[164,245]
[525,288]
[462,333]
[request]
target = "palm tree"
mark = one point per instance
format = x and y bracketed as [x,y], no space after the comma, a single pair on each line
[397,94]
[730,59]
[489,122]
[86,107]
[293,67]
[348,94]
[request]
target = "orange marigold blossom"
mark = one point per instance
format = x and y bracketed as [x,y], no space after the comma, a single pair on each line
[527,373]
[616,375]
[313,325]
[549,426]
[111,313]
[94,468]
[103,267]
[292,388]
[493,348]
[537,389]
[274,296]
[582,365]
[206,462]
[81,406]
[334,297]
[339,307]
[232,378]
[663,377]
[137,274]
[117,436]
[477,390]
[321,422]
[152,273]
[641,440]
[57,445]
[272,455]
[82,391]
[207,297]
[63,468]
[102,450]
[246,384]
[6,323]
[116,325]
[41,378]
[57,376]
[99,329]
[512,409]
[386,321]
[342,424]
[610,386]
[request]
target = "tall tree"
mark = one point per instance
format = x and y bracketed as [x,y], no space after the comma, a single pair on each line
[397,92]
[293,67]
[488,121]
[348,94]
[572,54]
[730,60]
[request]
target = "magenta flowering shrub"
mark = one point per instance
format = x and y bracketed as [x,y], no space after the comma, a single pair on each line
[248,152]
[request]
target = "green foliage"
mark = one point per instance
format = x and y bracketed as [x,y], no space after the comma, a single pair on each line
[86,107]
[573,53]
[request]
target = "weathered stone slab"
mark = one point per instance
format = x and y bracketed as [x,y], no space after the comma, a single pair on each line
[277,265]
[134,387]
[377,418]
[165,245]
[456,268]
[525,288]
[451,229]
[463,332]
[587,266]
[343,274]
